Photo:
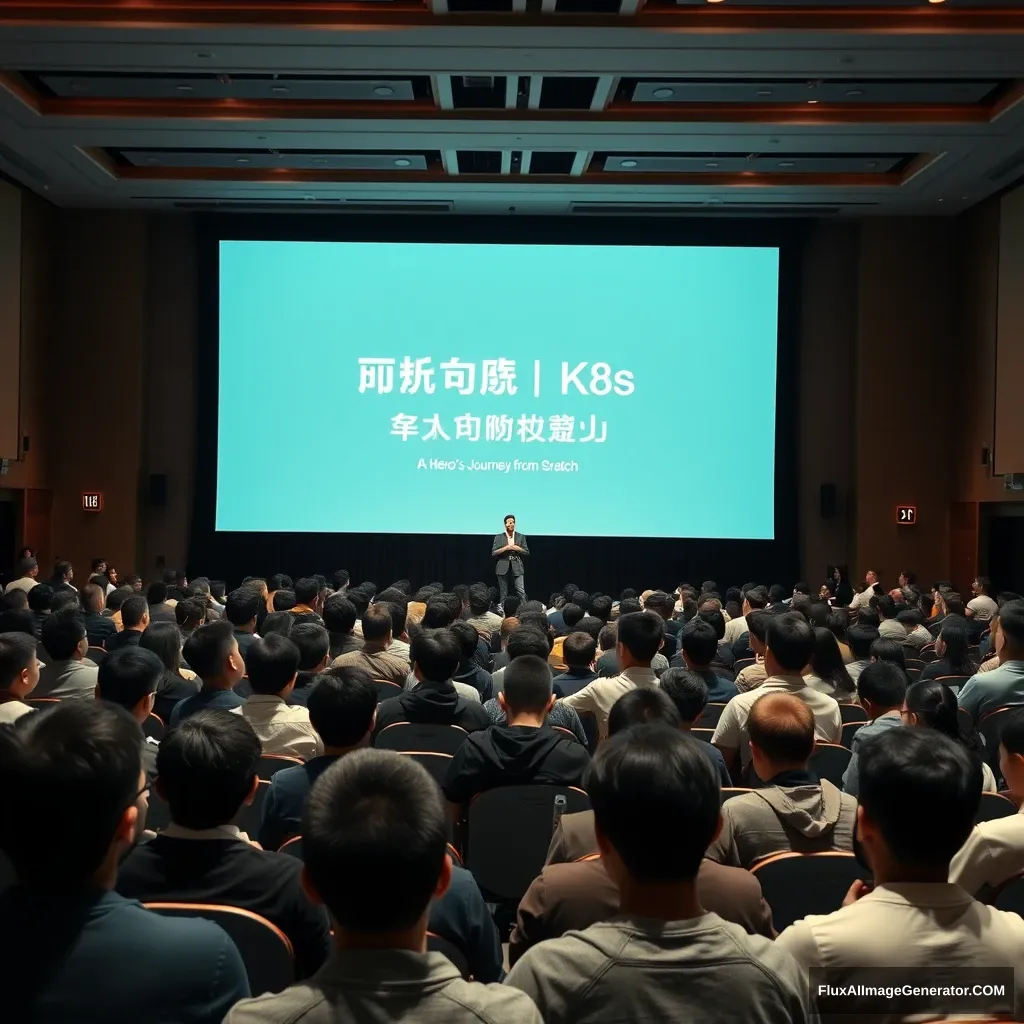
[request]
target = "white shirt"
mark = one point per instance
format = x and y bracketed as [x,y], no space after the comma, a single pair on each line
[983,607]
[282,729]
[734,629]
[731,731]
[993,853]
[25,583]
[599,696]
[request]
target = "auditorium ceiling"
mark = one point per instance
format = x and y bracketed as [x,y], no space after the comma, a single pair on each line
[588,107]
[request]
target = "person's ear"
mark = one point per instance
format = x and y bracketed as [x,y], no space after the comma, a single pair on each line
[149,701]
[444,879]
[551,703]
[247,802]
[309,889]
[501,702]
[125,831]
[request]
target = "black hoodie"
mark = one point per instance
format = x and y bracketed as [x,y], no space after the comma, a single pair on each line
[432,704]
[514,755]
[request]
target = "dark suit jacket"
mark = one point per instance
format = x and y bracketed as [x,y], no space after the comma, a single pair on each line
[126,638]
[98,628]
[571,897]
[513,561]
[232,872]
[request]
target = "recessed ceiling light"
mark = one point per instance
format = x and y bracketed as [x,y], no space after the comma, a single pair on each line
[663,94]
[279,89]
[242,160]
[184,88]
[936,2]
[854,92]
[812,101]
[786,163]
[763,92]
[711,165]
[383,90]
[402,162]
[320,160]
[714,1]
[628,163]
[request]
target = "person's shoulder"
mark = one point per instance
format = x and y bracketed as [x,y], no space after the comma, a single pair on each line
[496,1004]
[305,1002]
[570,960]
[189,940]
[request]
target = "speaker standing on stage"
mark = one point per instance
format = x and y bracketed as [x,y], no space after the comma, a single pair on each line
[510,548]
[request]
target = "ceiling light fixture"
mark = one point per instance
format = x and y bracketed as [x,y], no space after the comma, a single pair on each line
[242,160]
[812,102]
[402,162]
[786,163]
[383,90]
[711,165]
[663,93]
[632,163]
[854,92]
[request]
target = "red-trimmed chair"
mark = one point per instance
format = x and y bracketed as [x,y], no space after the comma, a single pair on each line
[829,761]
[852,713]
[849,731]
[439,944]
[994,805]
[711,714]
[270,764]
[702,734]
[508,831]
[96,655]
[293,847]
[953,682]
[1010,895]
[728,792]
[386,689]
[41,702]
[266,951]
[797,884]
[421,736]
[568,732]
[154,727]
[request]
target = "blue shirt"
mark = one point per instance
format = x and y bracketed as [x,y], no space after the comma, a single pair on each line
[94,957]
[986,691]
[570,682]
[720,689]
[225,700]
[890,720]
[285,802]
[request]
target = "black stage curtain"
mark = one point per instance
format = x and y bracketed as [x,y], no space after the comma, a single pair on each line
[594,563]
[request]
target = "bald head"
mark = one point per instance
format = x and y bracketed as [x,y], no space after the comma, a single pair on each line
[781,729]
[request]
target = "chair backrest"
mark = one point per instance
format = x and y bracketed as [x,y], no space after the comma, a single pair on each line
[42,700]
[702,734]
[852,713]
[928,654]
[994,805]
[266,952]
[508,833]
[404,736]
[293,847]
[96,654]
[848,730]
[269,764]
[249,817]
[728,792]
[740,664]
[435,762]
[953,682]
[797,884]
[589,723]
[913,674]
[154,727]
[1011,895]
[455,855]
[909,663]
[711,714]
[439,944]
[386,689]
[829,761]
[990,725]
[568,732]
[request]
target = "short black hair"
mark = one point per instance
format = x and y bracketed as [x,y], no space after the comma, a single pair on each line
[307,590]
[341,705]
[190,611]
[156,592]
[757,624]
[164,640]
[17,652]
[115,599]
[243,605]
[641,633]
[207,648]
[791,641]
[468,638]
[886,606]
[283,600]
[134,610]
[571,614]
[313,643]
[860,638]
[656,799]
[1011,731]
[601,607]
[17,620]
[910,619]
[340,578]
[376,623]
[644,704]
[658,601]
[922,790]
[591,626]
[1011,625]
[479,598]
[882,683]
[83,757]
[527,640]
[278,622]
[339,614]
[527,684]
[582,598]
[886,649]
[375,813]
[687,690]
[578,650]
[272,662]
[699,642]
[206,766]
[40,596]
[128,675]
[756,597]
[61,633]
[436,652]
[511,605]
[715,619]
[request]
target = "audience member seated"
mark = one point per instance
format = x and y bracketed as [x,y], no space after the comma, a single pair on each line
[919,794]
[579,651]
[656,809]
[314,644]
[826,671]
[190,614]
[373,655]
[273,666]
[881,690]
[525,640]
[699,643]
[953,656]
[340,621]
[481,618]
[689,693]
[994,851]
[524,751]
[750,677]
[981,606]
[98,627]
[19,675]
[724,659]
[607,637]
[27,570]
[207,774]
[932,705]
[434,700]
[398,610]
[638,637]
[134,621]
[953,613]
[160,609]
[912,620]
[177,682]
[66,671]
[860,638]
[889,626]
[129,678]
[39,599]
[242,611]
[307,599]
[1004,685]
[470,673]
[212,653]
[377,814]
[794,810]
[790,644]
[662,605]
[83,952]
